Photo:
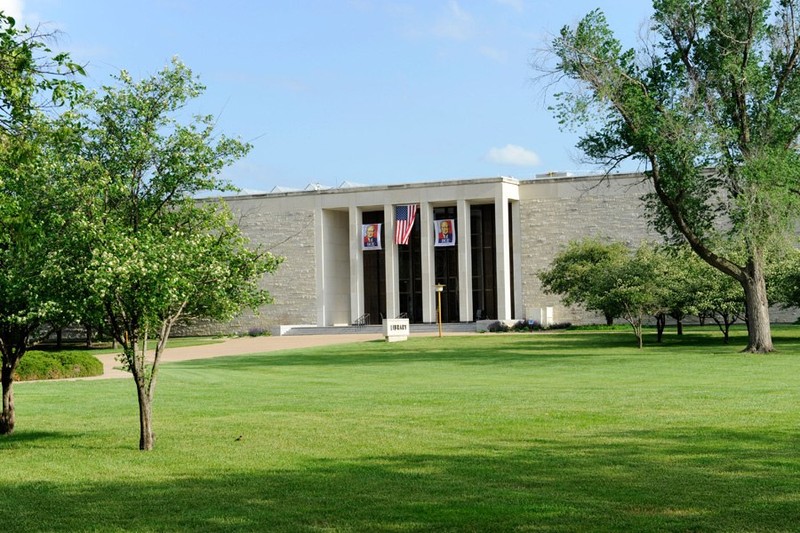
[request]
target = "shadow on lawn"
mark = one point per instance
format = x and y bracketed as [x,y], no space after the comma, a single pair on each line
[502,349]
[685,479]
[25,438]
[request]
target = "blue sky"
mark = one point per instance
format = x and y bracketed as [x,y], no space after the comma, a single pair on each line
[366,91]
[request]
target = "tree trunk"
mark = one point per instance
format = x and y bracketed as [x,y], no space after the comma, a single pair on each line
[680,326]
[759,333]
[137,366]
[637,330]
[609,320]
[7,416]
[146,436]
[88,335]
[727,331]
[661,324]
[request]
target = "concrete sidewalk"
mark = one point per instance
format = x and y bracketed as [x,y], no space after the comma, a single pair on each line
[236,346]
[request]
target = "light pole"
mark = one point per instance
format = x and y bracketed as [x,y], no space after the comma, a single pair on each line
[439,289]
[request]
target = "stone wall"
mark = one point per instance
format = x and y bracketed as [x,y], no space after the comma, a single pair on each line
[555,212]
[285,229]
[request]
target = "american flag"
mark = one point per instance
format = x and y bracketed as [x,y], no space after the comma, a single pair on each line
[405,215]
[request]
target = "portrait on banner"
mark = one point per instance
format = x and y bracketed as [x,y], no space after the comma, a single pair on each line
[445,232]
[371,237]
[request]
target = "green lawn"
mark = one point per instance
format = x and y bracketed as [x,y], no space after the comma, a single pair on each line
[106,346]
[497,432]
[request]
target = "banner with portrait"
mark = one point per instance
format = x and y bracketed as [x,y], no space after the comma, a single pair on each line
[371,237]
[444,232]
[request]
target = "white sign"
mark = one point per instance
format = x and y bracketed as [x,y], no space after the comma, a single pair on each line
[396,329]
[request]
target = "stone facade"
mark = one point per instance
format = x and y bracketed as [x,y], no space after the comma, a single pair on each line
[321,281]
[285,229]
[554,212]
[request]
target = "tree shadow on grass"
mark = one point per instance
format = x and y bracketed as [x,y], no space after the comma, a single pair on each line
[508,350]
[684,479]
[20,439]
[357,358]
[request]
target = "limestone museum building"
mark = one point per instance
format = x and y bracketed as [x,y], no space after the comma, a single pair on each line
[358,254]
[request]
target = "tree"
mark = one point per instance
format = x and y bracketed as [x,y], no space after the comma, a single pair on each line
[721,299]
[578,275]
[712,110]
[686,280]
[152,253]
[609,278]
[637,289]
[32,80]
[784,280]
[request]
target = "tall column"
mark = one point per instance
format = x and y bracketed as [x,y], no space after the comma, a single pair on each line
[322,290]
[356,266]
[516,257]
[428,273]
[392,267]
[503,255]
[463,235]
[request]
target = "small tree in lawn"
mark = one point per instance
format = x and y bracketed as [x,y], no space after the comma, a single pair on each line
[686,280]
[31,80]
[723,300]
[151,253]
[708,293]
[636,287]
[784,281]
[578,275]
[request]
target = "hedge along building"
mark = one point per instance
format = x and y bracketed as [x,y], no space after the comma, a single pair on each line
[504,231]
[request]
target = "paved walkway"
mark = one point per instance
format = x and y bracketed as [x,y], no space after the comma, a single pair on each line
[236,346]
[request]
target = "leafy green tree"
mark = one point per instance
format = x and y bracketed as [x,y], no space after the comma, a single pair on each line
[721,299]
[636,287]
[711,108]
[578,275]
[151,253]
[32,82]
[698,289]
[609,278]
[685,278]
[784,280]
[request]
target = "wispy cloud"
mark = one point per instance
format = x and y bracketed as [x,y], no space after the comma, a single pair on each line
[517,5]
[494,54]
[455,23]
[511,154]
[12,8]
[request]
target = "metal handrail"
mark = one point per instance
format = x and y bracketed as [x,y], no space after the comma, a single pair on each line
[361,321]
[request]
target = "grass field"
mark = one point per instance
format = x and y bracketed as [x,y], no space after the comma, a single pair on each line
[106,346]
[497,432]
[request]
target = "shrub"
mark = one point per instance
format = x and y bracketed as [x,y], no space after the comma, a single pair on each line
[526,326]
[522,325]
[498,326]
[57,365]
[258,332]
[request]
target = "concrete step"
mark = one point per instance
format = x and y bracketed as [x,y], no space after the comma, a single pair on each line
[466,327]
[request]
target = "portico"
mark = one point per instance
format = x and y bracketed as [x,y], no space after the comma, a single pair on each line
[478,271]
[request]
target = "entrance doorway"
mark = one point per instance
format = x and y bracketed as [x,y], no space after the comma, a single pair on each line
[374,273]
[410,276]
[446,270]
[484,262]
